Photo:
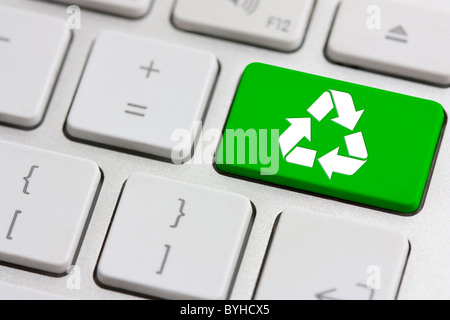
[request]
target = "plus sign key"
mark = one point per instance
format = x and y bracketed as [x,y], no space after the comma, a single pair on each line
[136,92]
[150,69]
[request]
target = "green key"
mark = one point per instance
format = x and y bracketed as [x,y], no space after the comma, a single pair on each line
[332,138]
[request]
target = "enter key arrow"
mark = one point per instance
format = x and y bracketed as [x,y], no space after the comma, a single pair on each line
[348,116]
[334,163]
[332,294]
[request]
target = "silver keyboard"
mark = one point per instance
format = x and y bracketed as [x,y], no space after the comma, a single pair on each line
[76,131]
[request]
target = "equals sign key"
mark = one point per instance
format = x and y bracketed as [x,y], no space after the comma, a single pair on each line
[136,110]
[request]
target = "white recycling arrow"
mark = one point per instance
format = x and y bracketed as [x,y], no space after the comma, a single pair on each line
[322,106]
[334,163]
[356,145]
[348,116]
[300,128]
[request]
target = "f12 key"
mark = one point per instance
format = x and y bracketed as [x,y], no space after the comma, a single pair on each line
[279,25]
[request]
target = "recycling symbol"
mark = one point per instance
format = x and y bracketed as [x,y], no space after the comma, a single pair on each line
[332,162]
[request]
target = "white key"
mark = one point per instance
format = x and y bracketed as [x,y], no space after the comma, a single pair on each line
[138,93]
[46,201]
[279,25]
[126,8]
[315,256]
[174,240]
[393,38]
[9,292]
[32,49]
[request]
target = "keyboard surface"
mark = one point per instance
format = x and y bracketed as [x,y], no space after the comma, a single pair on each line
[426,275]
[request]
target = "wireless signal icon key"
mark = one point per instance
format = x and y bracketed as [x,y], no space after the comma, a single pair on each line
[249,6]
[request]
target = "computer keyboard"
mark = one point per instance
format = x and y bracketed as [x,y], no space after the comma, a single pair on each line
[112,117]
